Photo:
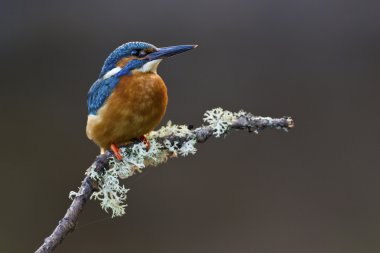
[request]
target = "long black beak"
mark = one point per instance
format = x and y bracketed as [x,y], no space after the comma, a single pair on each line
[165,52]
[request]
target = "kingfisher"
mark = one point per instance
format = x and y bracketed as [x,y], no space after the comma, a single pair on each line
[129,98]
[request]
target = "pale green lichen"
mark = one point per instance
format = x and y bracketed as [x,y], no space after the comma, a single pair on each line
[188,148]
[170,129]
[113,195]
[220,120]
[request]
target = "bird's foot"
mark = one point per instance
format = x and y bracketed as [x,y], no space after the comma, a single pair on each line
[116,152]
[146,142]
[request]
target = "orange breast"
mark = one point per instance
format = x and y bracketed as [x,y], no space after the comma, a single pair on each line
[134,108]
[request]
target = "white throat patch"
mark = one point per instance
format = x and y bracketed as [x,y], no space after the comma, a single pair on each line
[150,66]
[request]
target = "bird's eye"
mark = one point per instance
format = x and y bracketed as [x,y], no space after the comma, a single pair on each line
[135,53]
[138,53]
[142,53]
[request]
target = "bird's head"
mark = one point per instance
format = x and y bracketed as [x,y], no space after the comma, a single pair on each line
[138,56]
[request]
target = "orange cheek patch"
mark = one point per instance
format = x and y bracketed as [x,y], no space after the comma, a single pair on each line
[124,61]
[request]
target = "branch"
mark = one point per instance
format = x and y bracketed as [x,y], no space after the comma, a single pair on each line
[102,181]
[68,222]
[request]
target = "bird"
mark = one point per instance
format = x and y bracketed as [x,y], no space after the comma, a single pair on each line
[129,98]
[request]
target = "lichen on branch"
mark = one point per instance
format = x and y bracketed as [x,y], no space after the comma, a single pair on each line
[169,141]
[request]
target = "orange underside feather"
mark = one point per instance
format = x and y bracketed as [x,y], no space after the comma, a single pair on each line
[134,108]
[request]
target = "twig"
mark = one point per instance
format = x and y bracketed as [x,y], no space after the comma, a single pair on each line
[67,224]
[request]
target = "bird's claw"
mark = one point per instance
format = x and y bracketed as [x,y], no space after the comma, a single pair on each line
[146,142]
[116,152]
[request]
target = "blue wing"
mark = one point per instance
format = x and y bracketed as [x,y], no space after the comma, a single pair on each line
[102,88]
[99,92]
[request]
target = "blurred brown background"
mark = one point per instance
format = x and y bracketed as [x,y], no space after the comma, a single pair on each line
[315,189]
